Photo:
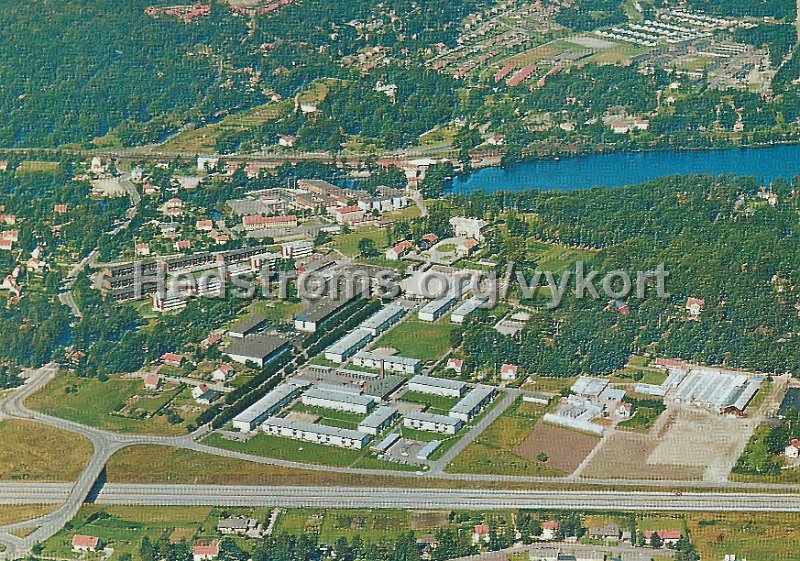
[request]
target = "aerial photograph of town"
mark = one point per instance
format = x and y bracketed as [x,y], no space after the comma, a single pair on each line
[400,280]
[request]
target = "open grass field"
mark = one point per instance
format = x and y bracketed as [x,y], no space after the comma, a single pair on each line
[494,450]
[348,243]
[565,449]
[330,417]
[33,166]
[751,536]
[420,339]
[10,514]
[436,403]
[288,449]
[34,452]
[124,527]
[92,402]
[557,258]
[371,525]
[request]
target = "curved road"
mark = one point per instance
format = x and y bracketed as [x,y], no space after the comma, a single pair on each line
[757,497]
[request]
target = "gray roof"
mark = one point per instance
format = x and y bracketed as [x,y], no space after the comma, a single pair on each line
[352,339]
[383,315]
[378,417]
[387,442]
[391,359]
[428,449]
[272,399]
[248,324]
[469,306]
[437,382]
[315,428]
[340,397]
[432,418]
[318,310]
[256,346]
[383,387]
[589,386]
[472,399]
[436,305]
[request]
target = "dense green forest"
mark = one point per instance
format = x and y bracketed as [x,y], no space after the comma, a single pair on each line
[718,241]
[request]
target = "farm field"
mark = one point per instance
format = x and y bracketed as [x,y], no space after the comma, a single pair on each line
[494,451]
[753,536]
[34,452]
[419,339]
[565,449]
[9,514]
[92,402]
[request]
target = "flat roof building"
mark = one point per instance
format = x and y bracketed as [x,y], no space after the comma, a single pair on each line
[249,419]
[260,349]
[380,389]
[432,423]
[466,308]
[392,363]
[473,403]
[379,420]
[318,312]
[247,326]
[383,319]
[436,308]
[316,433]
[338,401]
[437,386]
[589,387]
[348,345]
[425,452]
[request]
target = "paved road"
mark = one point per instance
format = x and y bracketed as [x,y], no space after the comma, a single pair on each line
[438,499]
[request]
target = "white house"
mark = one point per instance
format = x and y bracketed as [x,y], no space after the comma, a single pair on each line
[205,552]
[792,451]
[509,372]
[695,306]
[223,373]
[469,227]
[432,423]
[82,543]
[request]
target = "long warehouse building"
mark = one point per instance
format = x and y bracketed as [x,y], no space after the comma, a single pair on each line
[316,433]
[338,401]
[437,386]
[432,423]
[348,345]
[249,419]
[473,403]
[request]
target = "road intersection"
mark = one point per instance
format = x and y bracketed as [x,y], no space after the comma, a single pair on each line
[725,496]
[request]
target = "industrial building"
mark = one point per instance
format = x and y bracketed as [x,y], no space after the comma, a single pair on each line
[316,433]
[249,419]
[383,319]
[435,309]
[348,402]
[426,451]
[403,364]
[720,390]
[466,308]
[437,386]
[318,312]
[248,326]
[589,387]
[259,349]
[348,345]
[379,420]
[432,423]
[473,403]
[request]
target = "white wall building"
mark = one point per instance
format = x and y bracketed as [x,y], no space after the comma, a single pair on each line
[379,420]
[437,386]
[338,401]
[249,419]
[383,319]
[469,227]
[466,308]
[318,434]
[402,364]
[348,345]
[432,423]
[473,403]
[436,308]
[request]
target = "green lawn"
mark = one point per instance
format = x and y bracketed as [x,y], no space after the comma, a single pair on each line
[493,451]
[435,403]
[556,258]
[420,339]
[92,402]
[642,420]
[348,243]
[331,416]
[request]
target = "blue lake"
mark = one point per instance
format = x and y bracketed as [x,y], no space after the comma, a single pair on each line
[631,168]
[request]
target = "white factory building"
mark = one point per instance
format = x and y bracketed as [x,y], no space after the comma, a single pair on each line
[435,309]
[466,308]
[402,364]
[338,400]
[717,389]
[437,386]
[473,403]
[432,423]
[348,345]
[249,419]
[383,319]
[379,420]
[318,434]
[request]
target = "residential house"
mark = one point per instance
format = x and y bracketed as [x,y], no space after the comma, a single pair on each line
[792,450]
[668,537]
[173,359]
[142,249]
[239,526]
[509,372]
[455,364]
[60,209]
[427,241]
[287,141]
[695,306]
[610,532]
[173,207]
[205,552]
[152,382]
[210,341]
[183,245]
[480,533]
[223,373]
[469,227]
[253,222]
[399,251]
[467,248]
[550,530]
[204,225]
[82,543]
